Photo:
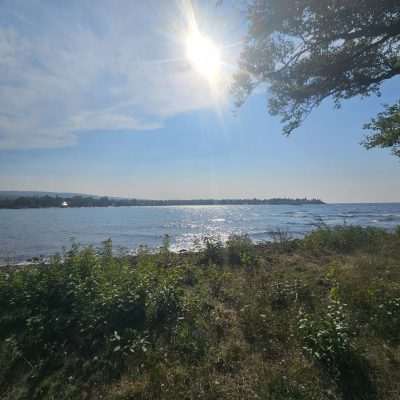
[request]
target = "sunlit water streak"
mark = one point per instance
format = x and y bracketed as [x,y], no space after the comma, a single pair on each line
[33,232]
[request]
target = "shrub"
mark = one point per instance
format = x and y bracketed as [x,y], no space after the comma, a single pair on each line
[240,250]
[92,306]
[386,319]
[282,240]
[326,340]
[345,239]
[213,252]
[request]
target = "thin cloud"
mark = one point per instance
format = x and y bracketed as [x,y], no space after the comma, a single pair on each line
[69,69]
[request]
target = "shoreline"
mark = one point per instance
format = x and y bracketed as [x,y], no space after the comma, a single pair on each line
[87,201]
[132,253]
[207,320]
[281,237]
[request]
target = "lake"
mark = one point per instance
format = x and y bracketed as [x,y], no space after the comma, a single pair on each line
[28,233]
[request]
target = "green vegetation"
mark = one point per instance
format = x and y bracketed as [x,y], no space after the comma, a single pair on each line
[317,318]
[386,130]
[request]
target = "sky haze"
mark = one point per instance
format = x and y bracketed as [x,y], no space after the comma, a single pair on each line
[101,98]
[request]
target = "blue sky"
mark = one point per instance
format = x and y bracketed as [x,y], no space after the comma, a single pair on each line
[102,100]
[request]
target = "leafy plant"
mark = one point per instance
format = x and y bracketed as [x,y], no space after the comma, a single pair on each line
[345,239]
[213,252]
[326,340]
[386,319]
[240,250]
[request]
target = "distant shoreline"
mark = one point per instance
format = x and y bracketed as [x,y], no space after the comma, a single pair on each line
[88,201]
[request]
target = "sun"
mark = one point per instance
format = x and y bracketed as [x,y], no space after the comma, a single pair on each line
[203,55]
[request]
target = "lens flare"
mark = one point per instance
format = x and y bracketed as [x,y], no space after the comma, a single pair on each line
[203,55]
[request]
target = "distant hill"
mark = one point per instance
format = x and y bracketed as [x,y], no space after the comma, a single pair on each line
[14,194]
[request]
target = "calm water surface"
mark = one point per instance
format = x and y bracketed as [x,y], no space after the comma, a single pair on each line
[34,232]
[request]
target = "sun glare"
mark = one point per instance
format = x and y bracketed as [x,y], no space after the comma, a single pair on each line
[203,55]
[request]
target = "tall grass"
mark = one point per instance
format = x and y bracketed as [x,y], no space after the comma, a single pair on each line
[310,319]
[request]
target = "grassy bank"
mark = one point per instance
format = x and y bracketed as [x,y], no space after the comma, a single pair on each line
[317,318]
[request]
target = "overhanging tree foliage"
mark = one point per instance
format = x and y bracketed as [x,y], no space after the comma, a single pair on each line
[386,130]
[309,50]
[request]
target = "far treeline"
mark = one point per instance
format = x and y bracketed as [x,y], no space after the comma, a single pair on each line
[84,201]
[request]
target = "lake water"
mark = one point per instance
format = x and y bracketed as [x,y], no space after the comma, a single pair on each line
[30,233]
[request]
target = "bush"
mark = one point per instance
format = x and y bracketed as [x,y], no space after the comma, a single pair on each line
[326,340]
[345,239]
[240,250]
[213,252]
[92,306]
[282,240]
[386,319]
